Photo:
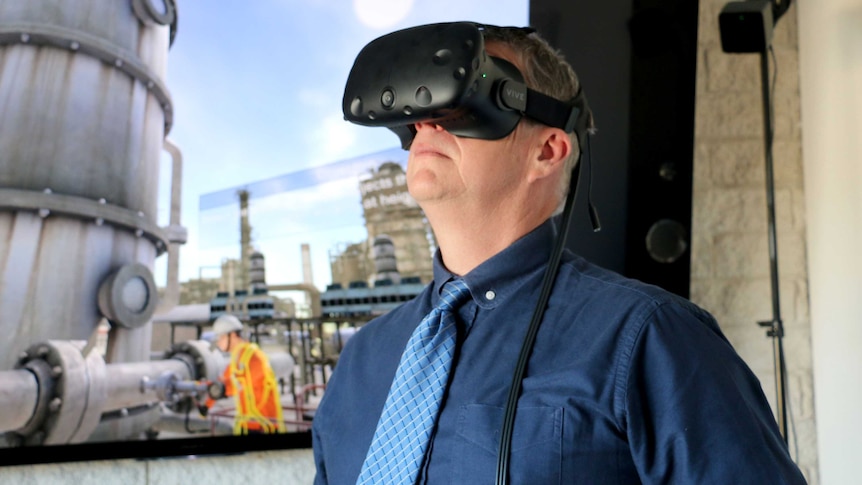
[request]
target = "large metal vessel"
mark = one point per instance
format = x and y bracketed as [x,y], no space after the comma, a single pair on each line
[83,117]
[84,113]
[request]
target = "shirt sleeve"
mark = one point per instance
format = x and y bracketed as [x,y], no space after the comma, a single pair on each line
[695,413]
[228,385]
[320,477]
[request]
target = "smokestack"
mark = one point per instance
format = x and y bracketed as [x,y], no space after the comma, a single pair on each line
[245,239]
[307,277]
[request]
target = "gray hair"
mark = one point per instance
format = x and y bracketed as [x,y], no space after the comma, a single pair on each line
[545,70]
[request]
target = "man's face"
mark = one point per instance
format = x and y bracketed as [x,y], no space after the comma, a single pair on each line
[222,342]
[443,167]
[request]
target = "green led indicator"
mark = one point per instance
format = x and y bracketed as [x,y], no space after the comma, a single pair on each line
[484,75]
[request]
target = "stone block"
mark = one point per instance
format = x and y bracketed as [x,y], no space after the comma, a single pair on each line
[787,116]
[767,383]
[786,162]
[729,72]
[803,446]
[719,115]
[734,303]
[755,348]
[129,472]
[785,71]
[734,163]
[292,466]
[799,212]
[783,209]
[786,29]
[721,210]
[791,255]
[739,114]
[708,33]
[741,255]
[809,472]
[799,314]
[731,210]
[701,168]
[742,163]
[800,386]
[701,255]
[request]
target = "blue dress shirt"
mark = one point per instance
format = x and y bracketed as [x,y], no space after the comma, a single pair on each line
[626,384]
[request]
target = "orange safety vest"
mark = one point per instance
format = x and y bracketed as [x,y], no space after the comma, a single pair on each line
[251,381]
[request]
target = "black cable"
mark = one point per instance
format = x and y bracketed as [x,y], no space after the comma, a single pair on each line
[189,430]
[594,214]
[777,358]
[779,8]
[532,331]
[776,327]
[781,365]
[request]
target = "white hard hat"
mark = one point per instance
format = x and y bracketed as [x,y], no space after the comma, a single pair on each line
[226,324]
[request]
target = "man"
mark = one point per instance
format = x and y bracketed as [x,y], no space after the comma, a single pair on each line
[626,383]
[249,379]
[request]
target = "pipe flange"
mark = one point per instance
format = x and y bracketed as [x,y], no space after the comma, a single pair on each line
[100,212]
[72,393]
[26,435]
[204,363]
[150,14]
[157,12]
[129,296]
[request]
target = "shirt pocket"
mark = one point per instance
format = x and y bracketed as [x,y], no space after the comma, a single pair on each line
[536,456]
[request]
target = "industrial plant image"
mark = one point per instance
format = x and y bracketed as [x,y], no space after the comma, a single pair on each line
[94,350]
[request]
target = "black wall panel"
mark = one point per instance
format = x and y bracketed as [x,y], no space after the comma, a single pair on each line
[637,63]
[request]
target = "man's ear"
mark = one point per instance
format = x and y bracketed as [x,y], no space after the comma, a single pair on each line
[554,147]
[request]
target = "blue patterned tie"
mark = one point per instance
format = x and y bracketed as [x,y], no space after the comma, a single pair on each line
[410,411]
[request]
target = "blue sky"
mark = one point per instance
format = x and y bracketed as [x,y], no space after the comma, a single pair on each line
[257,90]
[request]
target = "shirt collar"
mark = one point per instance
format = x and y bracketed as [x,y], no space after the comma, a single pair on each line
[499,278]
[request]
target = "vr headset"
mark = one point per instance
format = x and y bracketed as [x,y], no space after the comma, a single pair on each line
[441,73]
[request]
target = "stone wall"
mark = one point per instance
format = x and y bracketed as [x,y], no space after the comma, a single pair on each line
[730,254]
[278,467]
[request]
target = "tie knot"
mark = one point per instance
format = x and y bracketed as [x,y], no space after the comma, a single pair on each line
[454,294]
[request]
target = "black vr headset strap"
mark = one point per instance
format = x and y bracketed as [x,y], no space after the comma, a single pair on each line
[570,117]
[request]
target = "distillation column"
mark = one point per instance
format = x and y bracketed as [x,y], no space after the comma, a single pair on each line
[84,114]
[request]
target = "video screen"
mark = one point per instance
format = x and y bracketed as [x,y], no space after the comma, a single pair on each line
[189,230]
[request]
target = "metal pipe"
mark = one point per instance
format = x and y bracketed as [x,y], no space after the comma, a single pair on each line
[282,364]
[113,388]
[311,290]
[18,395]
[124,382]
[177,235]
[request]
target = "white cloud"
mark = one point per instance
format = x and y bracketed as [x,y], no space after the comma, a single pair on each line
[381,14]
[333,139]
[315,98]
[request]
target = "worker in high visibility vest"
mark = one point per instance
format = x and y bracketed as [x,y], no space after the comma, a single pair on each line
[249,379]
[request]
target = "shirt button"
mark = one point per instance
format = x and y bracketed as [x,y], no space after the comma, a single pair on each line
[490,295]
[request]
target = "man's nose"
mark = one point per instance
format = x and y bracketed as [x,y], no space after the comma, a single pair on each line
[429,125]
